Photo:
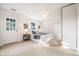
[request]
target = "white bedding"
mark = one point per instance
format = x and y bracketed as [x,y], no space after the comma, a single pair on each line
[44,38]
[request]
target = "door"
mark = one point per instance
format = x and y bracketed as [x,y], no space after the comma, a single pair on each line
[69,25]
[9,30]
[0,35]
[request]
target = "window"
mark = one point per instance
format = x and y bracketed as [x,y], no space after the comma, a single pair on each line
[33,28]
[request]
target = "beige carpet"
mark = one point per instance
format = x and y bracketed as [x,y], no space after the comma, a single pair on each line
[29,48]
[48,51]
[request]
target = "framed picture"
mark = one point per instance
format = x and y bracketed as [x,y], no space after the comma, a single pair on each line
[38,27]
[25,26]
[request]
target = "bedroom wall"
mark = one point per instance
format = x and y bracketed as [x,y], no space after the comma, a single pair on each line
[52,24]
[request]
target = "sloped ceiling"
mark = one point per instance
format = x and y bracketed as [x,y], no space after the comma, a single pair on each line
[37,11]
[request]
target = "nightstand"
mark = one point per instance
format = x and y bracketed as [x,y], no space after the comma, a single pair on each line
[26,37]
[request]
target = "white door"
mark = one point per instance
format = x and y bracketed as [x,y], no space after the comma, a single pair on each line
[0,35]
[69,26]
[9,30]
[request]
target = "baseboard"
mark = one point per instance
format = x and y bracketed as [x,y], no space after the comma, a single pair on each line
[9,44]
[12,43]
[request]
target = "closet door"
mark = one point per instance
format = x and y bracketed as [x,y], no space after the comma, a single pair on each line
[0,28]
[69,25]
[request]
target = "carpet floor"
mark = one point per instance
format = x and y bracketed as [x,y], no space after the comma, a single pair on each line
[29,48]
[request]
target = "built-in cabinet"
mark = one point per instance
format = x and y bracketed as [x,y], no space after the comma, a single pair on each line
[0,36]
[8,27]
[69,26]
[78,28]
[9,30]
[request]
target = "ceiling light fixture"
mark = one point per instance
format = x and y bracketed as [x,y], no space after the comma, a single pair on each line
[45,13]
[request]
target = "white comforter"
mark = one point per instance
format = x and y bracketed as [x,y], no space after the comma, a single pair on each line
[44,38]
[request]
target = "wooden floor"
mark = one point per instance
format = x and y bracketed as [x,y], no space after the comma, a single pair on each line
[29,48]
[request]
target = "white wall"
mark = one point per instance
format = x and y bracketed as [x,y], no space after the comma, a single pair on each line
[52,24]
[20,21]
